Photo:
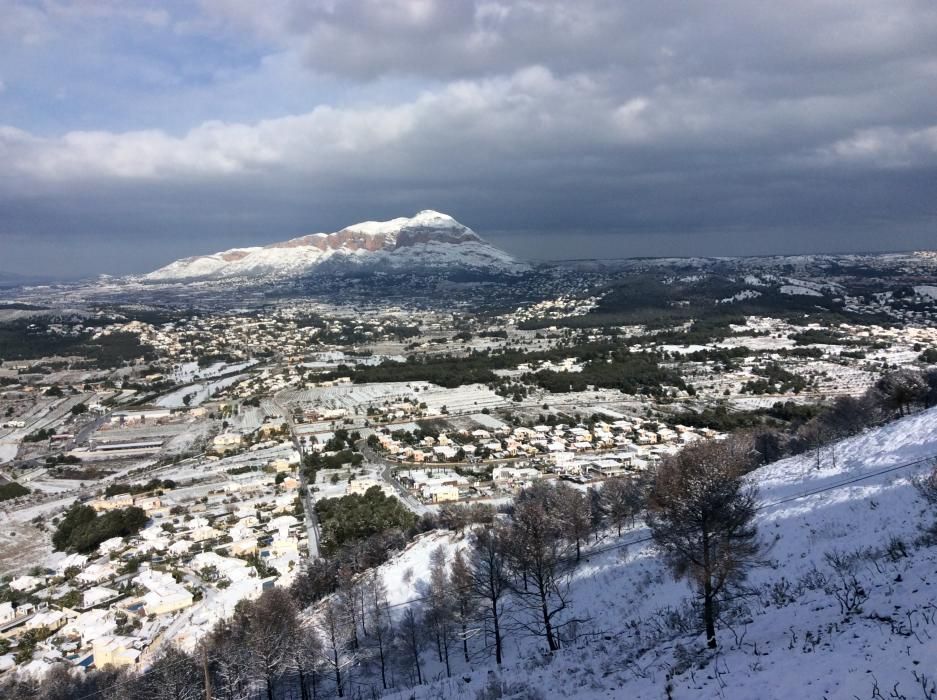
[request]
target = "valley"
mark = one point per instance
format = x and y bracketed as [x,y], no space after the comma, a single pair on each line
[332,430]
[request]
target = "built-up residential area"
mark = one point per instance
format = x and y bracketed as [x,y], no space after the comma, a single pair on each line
[148,489]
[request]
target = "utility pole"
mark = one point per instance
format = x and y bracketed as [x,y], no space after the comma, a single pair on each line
[207,677]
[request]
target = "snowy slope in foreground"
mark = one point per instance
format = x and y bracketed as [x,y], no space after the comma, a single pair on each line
[792,640]
[428,240]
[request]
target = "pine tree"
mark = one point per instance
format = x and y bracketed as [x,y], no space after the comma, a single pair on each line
[573,509]
[622,499]
[701,513]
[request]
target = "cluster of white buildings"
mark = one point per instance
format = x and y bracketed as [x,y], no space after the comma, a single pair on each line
[435,485]
[506,442]
[168,584]
[565,306]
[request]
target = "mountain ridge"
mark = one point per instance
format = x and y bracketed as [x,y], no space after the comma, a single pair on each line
[428,240]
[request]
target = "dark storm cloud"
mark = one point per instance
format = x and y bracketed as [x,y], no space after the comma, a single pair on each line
[640,127]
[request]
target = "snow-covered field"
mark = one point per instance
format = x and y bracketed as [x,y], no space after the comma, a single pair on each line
[195,434]
[799,290]
[190,371]
[8,449]
[199,392]
[740,296]
[789,639]
[469,398]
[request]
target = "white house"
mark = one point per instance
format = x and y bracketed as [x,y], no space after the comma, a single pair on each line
[164,594]
[96,595]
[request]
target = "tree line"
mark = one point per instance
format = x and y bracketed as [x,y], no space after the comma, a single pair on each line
[82,529]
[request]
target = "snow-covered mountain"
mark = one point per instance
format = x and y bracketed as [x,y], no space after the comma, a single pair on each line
[430,240]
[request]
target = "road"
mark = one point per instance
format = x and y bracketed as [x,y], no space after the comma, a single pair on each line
[387,474]
[312,523]
[82,436]
[38,418]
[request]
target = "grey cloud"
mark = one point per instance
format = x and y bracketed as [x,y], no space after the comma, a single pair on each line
[780,126]
[656,41]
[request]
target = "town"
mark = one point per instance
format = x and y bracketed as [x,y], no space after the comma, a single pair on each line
[160,467]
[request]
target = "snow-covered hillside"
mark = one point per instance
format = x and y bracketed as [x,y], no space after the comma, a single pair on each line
[846,534]
[428,240]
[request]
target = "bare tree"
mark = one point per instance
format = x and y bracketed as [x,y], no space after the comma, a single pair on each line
[271,629]
[334,629]
[815,434]
[926,484]
[597,512]
[174,675]
[489,579]
[230,664]
[304,659]
[439,609]
[538,553]
[410,641]
[379,622]
[464,608]
[351,601]
[701,513]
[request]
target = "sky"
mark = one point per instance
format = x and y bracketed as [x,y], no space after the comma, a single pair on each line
[135,133]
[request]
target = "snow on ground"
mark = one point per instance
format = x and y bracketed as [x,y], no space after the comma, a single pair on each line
[683,349]
[257,457]
[248,419]
[470,398]
[740,296]
[195,434]
[22,544]
[8,449]
[407,575]
[52,486]
[926,290]
[790,638]
[798,290]
[190,371]
[200,392]
[768,342]
[488,421]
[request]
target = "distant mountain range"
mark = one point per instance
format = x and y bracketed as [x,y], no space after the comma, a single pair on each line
[15,279]
[429,241]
